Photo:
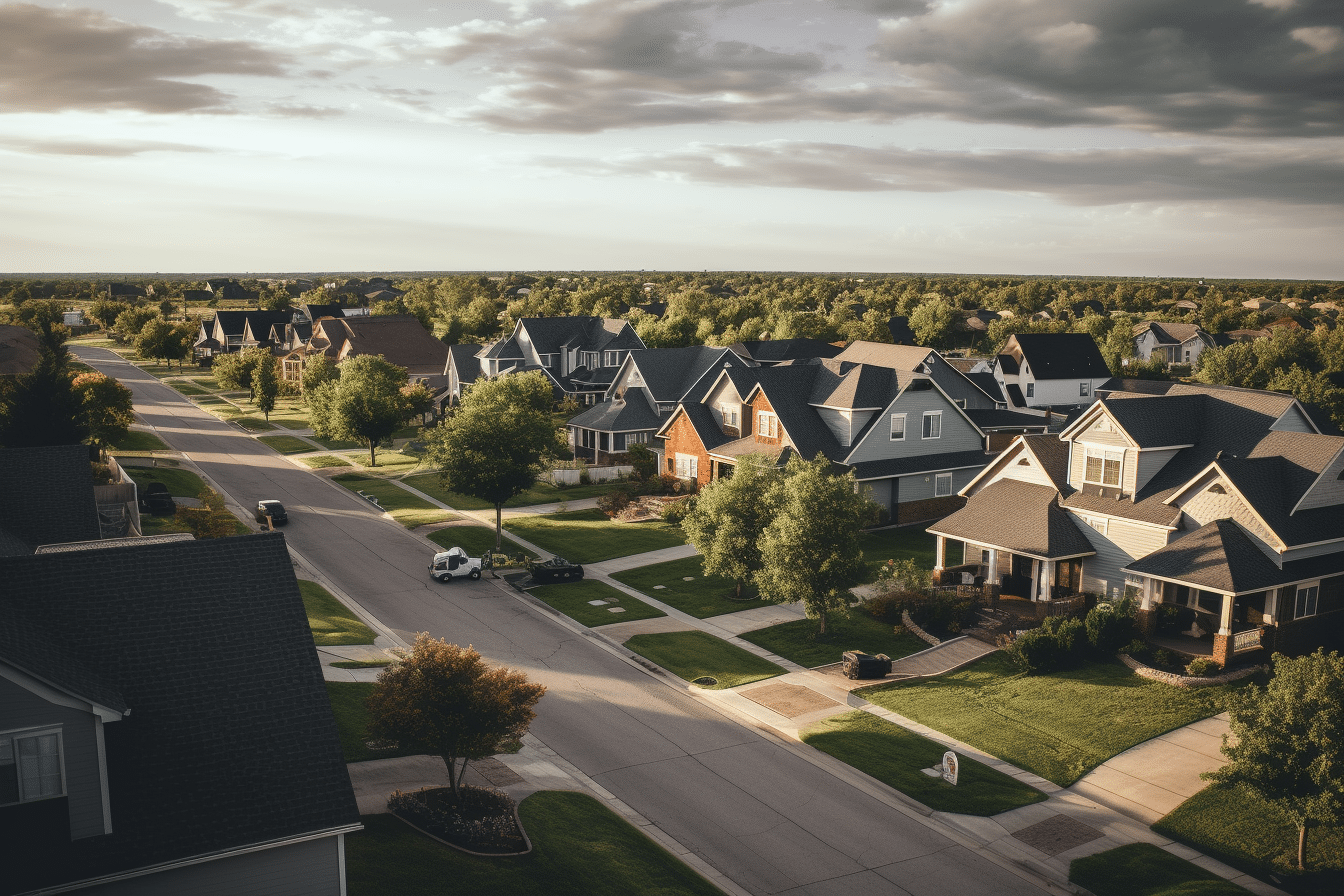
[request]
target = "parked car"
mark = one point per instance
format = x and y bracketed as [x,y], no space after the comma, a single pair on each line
[156,499]
[272,510]
[556,569]
[454,564]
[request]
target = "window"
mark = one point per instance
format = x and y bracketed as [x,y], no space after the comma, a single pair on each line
[898,427]
[729,415]
[1031,390]
[767,425]
[30,766]
[1103,467]
[687,466]
[636,438]
[1306,601]
[933,424]
[942,485]
[611,359]
[547,360]
[1082,390]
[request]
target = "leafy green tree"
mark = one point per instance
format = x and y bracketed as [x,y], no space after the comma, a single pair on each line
[365,404]
[42,407]
[155,340]
[932,322]
[266,384]
[105,311]
[810,550]
[729,518]
[235,370]
[643,461]
[108,407]
[419,400]
[47,320]
[1287,742]
[492,447]
[130,322]
[444,700]
[317,370]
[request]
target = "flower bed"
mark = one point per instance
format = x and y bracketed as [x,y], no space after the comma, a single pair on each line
[481,821]
[1186,681]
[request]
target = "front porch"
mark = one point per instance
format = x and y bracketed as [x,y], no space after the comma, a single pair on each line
[1010,574]
[1227,627]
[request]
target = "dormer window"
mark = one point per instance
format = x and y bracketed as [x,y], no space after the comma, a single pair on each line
[767,425]
[1103,467]
[729,415]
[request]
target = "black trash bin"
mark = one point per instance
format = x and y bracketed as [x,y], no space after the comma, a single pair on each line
[857,665]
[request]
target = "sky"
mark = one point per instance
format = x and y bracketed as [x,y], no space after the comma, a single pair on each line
[1199,138]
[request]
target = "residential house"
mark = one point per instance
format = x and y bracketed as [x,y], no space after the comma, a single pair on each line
[229,290]
[1265,306]
[399,338]
[643,395]
[164,725]
[1174,343]
[46,497]
[580,355]
[1224,506]
[197,295]
[124,291]
[1050,370]
[769,352]
[909,444]
[462,368]
[231,331]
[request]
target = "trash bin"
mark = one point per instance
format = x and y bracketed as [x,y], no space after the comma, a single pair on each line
[857,664]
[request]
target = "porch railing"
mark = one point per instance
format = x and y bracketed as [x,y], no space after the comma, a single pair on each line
[1065,606]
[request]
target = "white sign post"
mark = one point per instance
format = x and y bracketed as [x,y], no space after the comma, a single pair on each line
[950,767]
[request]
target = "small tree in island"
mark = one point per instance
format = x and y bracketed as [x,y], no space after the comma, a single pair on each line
[728,518]
[1289,748]
[364,404]
[491,448]
[443,699]
[108,408]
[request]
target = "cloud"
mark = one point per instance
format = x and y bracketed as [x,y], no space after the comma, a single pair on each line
[105,149]
[1179,175]
[82,59]
[302,110]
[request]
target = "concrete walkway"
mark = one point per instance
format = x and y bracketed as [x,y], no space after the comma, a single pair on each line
[940,659]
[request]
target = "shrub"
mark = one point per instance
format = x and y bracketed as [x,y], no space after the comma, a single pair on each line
[1162,658]
[490,826]
[1138,648]
[1109,627]
[613,503]
[1057,644]
[1202,666]
[675,511]
[903,574]
[644,462]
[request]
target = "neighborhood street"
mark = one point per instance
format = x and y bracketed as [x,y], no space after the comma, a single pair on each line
[745,802]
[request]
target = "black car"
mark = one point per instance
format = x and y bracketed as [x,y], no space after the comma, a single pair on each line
[157,500]
[556,569]
[272,510]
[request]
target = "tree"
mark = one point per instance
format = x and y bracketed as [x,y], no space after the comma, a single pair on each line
[365,404]
[47,320]
[1289,748]
[419,400]
[266,384]
[644,463]
[235,370]
[42,408]
[317,370]
[105,311]
[932,322]
[491,448]
[443,699]
[729,517]
[155,339]
[108,411]
[130,322]
[810,550]
[211,520]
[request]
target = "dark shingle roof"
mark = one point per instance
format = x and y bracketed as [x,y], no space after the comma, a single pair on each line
[314,311]
[550,334]
[1019,516]
[399,338]
[1169,333]
[504,349]
[1053,456]
[990,418]
[773,351]
[46,497]
[706,424]
[620,416]
[466,358]
[1015,397]
[1054,356]
[987,384]
[669,373]
[230,740]
[1218,557]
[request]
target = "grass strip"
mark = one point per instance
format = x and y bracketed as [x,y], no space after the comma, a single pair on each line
[1237,827]
[1059,726]
[798,640]
[348,705]
[702,597]
[137,440]
[541,493]
[288,444]
[572,599]
[895,756]
[588,536]
[405,507]
[475,540]
[332,622]
[1142,869]
[696,654]
[252,424]
[579,848]
[188,389]
[181,483]
[321,460]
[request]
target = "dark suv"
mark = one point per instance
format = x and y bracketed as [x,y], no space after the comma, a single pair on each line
[272,510]
[156,499]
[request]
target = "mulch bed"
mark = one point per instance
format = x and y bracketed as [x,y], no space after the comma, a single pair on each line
[482,821]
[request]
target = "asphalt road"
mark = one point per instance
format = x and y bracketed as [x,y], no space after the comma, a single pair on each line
[748,804]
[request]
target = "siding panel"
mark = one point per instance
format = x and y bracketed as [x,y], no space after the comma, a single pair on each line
[310,868]
[1329,491]
[958,433]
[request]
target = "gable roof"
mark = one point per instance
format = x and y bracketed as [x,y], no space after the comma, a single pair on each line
[467,361]
[235,323]
[230,740]
[897,357]
[669,373]
[551,335]
[46,497]
[773,351]
[620,415]
[1218,556]
[19,352]
[1169,333]
[399,338]
[315,311]
[1021,517]
[1054,356]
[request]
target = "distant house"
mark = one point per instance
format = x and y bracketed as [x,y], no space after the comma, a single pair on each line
[1264,305]
[1174,343]
[398,338]
[144,748]
[124,291]
[580,355]
[197,295]
[231,331]
[462,368]
[1080,309]
[229,290]
[769,352]
[643,395]
[1186,305]
[1042,370]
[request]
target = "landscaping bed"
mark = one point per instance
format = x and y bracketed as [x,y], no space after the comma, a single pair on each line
[332,622]
[798,640]
[476,818]
[1059,726]
[702,597]
[697,656]
[895,756]
[1142,869]
[573,599]
[588,536]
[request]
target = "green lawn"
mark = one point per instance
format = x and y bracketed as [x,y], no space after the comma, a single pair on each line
[572,600]
[391,461]
[579,848]
[894,756]
[332,622]
[694,654]
[290,413]
[181,483]
[336,444]
[1142,869]
[541,493]
[896,544]
[290,445]
[1239,828]
[587,536]
[352,720]
[321,460]
[405,507]
[1059,726]
[188,389]
[475,540]
[798,640]
[702,597]
[136,440]
[211,400]
[253,424]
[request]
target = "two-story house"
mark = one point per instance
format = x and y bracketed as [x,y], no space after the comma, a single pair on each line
[580,355]
[1226,504]
[398,338]
[1173,343]
[232,331]
[1050,370]
[911,446]
[164,726]
[643,394]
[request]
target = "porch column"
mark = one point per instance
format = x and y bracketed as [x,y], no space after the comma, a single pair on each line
[939,552]
[1048,580]
[1225,621]
[1271,606]
[1037,577]
[992,574]
[1222,642]
[1146,601]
